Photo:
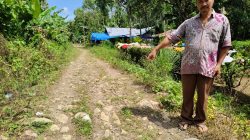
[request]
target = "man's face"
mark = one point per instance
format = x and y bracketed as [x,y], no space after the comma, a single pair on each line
[204,6]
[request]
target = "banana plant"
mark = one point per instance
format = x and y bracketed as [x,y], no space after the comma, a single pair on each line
[36,8]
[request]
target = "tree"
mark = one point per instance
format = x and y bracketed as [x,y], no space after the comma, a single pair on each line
[238,13]
[87,19]
[182,10]
[15,15]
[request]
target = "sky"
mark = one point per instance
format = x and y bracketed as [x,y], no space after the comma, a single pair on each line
[68,7]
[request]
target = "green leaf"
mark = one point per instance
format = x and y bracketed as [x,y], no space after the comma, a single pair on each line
[36,7]
[8,1]
[48,11]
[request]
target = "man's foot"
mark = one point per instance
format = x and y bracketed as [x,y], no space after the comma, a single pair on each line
[202,127]
[184,125]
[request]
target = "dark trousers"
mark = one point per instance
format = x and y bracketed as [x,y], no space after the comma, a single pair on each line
[189,83]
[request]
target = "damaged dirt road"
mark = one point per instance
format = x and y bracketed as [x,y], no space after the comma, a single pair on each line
[119,107]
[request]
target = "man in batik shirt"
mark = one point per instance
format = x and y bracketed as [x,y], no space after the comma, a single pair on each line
[208,39]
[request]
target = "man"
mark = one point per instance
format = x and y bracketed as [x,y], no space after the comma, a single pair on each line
[208,39]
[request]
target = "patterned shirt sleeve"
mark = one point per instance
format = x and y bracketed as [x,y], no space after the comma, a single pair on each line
[226,34]
[177,34]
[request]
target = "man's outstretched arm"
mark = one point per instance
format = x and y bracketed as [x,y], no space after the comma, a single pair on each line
[163,44]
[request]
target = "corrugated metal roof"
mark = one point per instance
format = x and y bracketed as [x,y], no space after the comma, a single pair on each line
[115,32]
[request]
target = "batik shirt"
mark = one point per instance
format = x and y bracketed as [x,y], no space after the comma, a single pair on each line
[202,43]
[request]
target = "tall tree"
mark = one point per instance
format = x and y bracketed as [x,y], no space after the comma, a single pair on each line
[182,10]
[105,6]
[238,13]
[87,19]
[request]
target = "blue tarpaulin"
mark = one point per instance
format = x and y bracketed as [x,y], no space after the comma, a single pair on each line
[99,36]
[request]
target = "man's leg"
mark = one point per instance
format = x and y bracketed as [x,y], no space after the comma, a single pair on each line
[188,89]
[203,86]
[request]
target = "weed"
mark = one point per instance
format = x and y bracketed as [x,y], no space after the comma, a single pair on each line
[126,112]
[83,127]
[146,137]
[40,127]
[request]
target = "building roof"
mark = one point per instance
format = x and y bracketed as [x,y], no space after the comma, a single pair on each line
[119,32]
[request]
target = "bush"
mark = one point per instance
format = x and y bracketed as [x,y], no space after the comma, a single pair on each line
[107,43]
[137,39]
[134,54]
[173,100]
[23,70]
[25,65]
[47,26]
[233,72]
[243,47]
[165,64]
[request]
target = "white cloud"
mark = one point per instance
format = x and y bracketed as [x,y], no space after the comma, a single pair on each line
[65,10]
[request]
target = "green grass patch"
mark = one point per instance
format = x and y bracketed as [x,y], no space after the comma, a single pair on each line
[83,127]
[147,137]
[81,106]
[40,127]
[237,113]
[126,112]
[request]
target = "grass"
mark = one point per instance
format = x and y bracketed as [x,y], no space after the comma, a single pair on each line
[135,125]
[226,117]
[126,112]
[83,127]
[24,101]
[147,136]
[40,127]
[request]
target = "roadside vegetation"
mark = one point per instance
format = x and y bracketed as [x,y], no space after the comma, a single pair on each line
[34,45]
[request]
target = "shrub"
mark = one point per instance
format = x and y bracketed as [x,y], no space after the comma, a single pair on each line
[137,39]
[243,47]
[164,64]
[47,26]
[173,100]
[233,72]
[136,55]
[107,43]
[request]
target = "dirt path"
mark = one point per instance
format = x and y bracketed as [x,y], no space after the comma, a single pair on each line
[121,108]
